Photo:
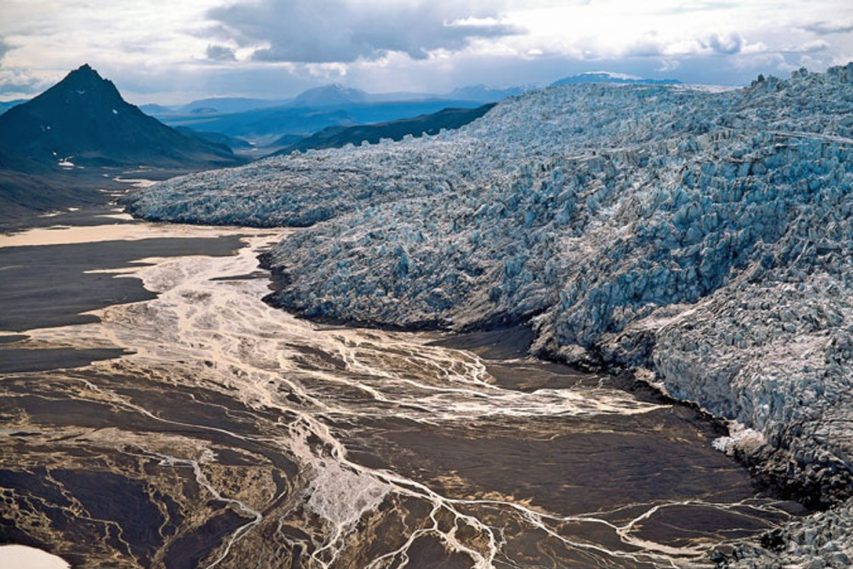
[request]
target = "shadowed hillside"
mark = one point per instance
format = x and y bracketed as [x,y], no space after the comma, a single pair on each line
[60,148]
[338,136]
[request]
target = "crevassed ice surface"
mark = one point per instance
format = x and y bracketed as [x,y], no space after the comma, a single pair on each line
[704,236]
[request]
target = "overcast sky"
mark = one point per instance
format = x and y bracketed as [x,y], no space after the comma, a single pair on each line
[175,50]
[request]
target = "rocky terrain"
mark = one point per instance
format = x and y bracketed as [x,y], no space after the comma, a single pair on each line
[816,542]
[702,239]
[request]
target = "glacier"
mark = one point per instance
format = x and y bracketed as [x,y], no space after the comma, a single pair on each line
[700,238]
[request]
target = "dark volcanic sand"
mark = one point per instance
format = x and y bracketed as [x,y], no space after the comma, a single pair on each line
[46,285]
[50,286]
[245,438]
[20,359]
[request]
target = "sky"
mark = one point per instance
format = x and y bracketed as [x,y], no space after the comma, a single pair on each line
[172,51]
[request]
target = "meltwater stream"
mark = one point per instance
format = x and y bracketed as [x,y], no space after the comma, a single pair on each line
[228,433]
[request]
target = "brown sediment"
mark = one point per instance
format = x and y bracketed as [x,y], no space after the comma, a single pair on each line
[51,285]
[197,472]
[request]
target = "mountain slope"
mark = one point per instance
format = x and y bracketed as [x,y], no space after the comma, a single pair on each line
[84,120]
[338,136]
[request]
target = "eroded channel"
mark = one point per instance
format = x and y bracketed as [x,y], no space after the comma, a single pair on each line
[194,425]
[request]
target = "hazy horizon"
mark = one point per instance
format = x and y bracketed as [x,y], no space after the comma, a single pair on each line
[291,95]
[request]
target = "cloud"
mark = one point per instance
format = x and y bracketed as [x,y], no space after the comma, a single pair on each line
[15,82]
[220,53]
[725,44]
[652,44]
[826,28]
[343,31]
[170,52]
[808,47]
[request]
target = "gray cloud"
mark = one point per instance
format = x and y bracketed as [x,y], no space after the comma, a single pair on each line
[220,53]
[17,81]
[815,46]
[325,31]
[153,54]
[725,44]
[826,28]
[651,44]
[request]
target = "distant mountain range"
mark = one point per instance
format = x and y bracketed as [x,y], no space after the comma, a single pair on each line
[58,142]
[334,95]
[282,123]
[217,105]
[265,121]
[264,126]
[609,77]
[330,95]
[338,136]
[487,94]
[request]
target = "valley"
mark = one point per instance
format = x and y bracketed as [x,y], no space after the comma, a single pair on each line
[183,422]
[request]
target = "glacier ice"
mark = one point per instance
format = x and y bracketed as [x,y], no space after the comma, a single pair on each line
[705,236]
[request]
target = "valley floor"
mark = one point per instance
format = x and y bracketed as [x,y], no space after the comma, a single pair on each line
[158,413]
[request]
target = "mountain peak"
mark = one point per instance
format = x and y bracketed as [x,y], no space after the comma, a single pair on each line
[85,116]
[85,71]
[332,94]
[85,80]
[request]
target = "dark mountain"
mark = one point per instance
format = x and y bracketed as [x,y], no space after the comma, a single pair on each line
[84,120]
[336,136]
[608,77]
[64,147]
